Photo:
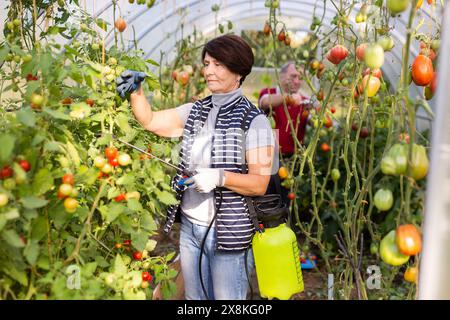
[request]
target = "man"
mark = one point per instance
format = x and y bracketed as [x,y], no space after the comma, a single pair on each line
[290,80]
[297,105]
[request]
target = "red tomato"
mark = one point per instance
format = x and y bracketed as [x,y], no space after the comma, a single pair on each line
[127,242]
[6,172]
[333,109]
[146,276]
[422,70]
[408,239]
[411,274]
[433,83]
[25,165]
[114,162]
[90,102]
[137,255]
[174,75]
[120,24]
[337,54]
[325,147]
[291,196]
[360,50]
[375,72]
[110,152]
[68,178]
[183,78]
[120,197]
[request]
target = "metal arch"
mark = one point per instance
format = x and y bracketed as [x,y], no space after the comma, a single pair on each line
[395,54]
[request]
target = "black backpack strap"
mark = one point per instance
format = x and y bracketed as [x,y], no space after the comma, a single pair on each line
[251,207]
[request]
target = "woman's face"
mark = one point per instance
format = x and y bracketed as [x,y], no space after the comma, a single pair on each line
[218,77]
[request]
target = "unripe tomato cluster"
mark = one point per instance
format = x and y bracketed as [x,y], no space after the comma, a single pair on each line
[68,192]
[113,159]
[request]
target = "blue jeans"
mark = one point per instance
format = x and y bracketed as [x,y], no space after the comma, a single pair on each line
[223,273]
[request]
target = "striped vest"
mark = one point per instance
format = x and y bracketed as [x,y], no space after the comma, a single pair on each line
[234,229]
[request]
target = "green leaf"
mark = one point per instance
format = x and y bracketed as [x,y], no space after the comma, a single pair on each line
[153,62]
[7,143]
[148,223]
[134,205]
[122,122]
[43,181]
[11,214]
[126,179]
[139,240]
[114,211]
[37,139]
[124,222]
[166,197]
[101,23]
[136,278]
[57,114]
[3,221]
[12,238]
[150,245]
[39,228]
[18,275]
[31,252]
[73,153]
[119,266]
[52,146]
[33,202]
[3,52]
[27,117]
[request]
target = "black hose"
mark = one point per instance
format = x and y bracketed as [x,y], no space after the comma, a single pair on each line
[203,247]
[246,271]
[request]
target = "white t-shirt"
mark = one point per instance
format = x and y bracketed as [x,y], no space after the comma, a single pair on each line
[199,207]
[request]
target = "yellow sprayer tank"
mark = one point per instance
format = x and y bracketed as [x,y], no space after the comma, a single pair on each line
[277,263]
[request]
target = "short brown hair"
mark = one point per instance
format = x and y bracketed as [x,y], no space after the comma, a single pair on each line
[233,52]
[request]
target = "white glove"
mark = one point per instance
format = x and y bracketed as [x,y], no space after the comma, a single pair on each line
[207,179]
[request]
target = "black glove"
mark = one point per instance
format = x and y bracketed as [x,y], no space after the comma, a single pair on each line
[129,81]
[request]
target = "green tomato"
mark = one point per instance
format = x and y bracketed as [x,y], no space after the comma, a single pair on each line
[109,279]
[9,184]
[388,166]
[386,42]
[64,162]
[396,161]
[399,152]
[37,99]
[374,248]
[124,159]
[435,44]
[389,251]
[3,200]
[384,199]
[419,162]
[27,58]
[374,56]
[335,175]
[397,6]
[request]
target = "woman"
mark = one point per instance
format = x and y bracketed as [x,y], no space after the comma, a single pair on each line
[211,147]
